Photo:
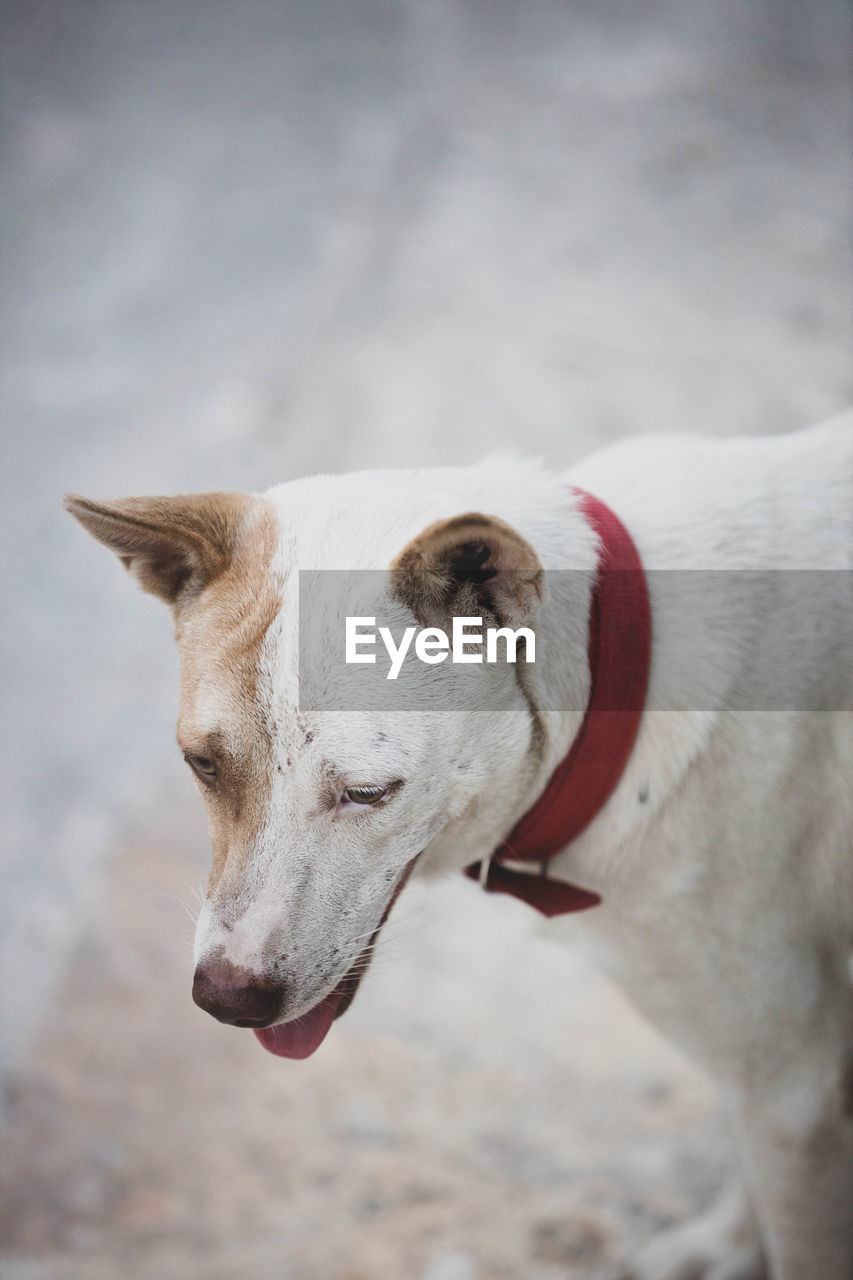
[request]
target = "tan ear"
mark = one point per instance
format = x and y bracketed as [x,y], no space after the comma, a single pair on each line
[471,565]
[173,547]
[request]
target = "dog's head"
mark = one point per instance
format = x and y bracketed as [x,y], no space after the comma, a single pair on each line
[318,817]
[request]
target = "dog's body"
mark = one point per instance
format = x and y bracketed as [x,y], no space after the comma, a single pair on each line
[724,856]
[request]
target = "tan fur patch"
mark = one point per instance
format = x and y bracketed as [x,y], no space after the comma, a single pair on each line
[470,563]
[173,546]
[210,556]
[220,634]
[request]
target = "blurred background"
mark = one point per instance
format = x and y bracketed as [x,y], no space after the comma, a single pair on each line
[246,241]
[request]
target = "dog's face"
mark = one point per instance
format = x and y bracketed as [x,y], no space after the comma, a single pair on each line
[316,817]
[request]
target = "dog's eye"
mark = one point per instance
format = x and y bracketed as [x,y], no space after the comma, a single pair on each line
[364,795]
[202,767]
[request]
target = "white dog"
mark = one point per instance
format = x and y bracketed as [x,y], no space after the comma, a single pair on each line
[718,863]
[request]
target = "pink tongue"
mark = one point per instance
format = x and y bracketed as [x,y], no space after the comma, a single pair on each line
[299,1038]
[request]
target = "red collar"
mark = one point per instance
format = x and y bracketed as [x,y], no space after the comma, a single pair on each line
[619,650]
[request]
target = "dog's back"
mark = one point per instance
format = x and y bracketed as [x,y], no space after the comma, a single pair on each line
[746,502]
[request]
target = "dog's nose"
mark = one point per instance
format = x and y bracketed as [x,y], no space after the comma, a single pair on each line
[218,990]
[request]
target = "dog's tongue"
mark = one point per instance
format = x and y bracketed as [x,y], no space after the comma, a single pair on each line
[299,1038]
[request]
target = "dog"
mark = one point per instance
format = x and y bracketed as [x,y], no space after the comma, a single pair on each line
[716,858]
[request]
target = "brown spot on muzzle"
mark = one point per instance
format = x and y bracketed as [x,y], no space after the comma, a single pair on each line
[236,995]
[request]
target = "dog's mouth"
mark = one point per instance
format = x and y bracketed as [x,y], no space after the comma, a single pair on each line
[302,1036]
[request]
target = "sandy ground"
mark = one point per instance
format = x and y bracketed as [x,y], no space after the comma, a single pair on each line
[246,242]
[489,1108]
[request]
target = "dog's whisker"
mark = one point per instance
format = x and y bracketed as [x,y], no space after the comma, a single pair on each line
[405,924]
[197,893]
[392,924]
[399,935]
[173,897]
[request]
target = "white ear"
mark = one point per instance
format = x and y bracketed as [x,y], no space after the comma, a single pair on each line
[173,547]
[470,565]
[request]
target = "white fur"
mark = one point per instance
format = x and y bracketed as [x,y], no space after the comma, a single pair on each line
[727,893]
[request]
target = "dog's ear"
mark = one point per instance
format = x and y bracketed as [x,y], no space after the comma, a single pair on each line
[173,547]
[471,565]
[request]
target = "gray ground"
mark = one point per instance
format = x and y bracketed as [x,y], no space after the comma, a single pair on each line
[244,242]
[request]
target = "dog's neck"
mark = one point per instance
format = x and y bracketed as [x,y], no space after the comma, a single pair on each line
[556,690]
